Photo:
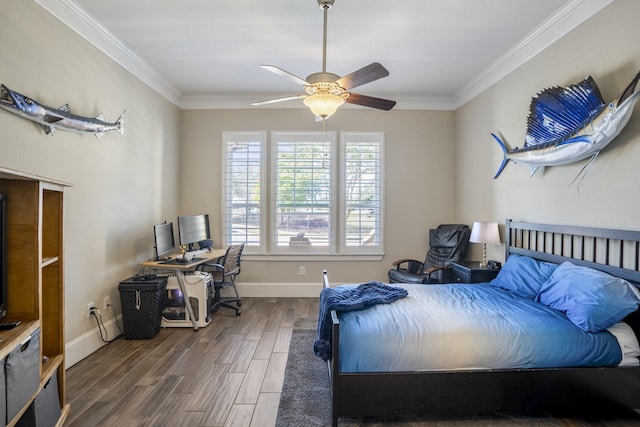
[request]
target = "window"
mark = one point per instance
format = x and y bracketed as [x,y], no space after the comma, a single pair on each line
[243,189]
[323,199]
[303,206]
[361,182]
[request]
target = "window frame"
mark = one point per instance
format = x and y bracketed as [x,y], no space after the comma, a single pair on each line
[268,230]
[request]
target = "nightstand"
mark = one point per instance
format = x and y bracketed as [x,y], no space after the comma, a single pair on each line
[471,272]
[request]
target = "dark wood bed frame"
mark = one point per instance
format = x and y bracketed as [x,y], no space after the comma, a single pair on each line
[558,391]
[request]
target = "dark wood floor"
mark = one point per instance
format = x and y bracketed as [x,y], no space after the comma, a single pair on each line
[229,373]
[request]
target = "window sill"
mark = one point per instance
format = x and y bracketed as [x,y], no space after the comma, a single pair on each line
[311,257]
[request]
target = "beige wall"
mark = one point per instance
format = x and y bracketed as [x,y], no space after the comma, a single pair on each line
[122,185]
[605,46]
[439,165]
[419,180]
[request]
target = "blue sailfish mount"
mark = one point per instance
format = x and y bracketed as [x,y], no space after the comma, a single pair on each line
[569,124]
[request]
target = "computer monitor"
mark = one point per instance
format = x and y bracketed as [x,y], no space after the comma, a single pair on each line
[193,229]
[164,241]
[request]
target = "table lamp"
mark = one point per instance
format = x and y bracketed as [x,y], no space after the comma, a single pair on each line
[484,232]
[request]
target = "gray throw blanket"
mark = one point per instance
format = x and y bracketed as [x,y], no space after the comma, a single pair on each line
[349,298]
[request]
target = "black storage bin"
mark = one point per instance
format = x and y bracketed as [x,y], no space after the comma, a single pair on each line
[22,372]
[45,410]
[142,303]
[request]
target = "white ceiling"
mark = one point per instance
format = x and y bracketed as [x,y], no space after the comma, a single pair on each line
[207,53]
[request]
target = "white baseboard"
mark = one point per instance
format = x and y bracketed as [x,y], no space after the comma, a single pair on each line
[86,344]
[280,290]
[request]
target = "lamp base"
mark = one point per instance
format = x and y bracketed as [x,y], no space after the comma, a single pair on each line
[484,255]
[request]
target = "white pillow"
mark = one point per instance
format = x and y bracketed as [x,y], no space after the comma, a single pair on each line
[628,343]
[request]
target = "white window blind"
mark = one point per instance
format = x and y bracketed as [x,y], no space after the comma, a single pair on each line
[361,181]
[244,181]
[303,206]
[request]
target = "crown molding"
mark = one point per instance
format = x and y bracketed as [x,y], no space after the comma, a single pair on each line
[566,19]
[195,102]
[69,13]
[570,16]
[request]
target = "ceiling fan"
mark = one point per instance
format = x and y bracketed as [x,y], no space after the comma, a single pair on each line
[327,91]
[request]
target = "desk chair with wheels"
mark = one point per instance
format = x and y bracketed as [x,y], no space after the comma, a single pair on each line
[224,273]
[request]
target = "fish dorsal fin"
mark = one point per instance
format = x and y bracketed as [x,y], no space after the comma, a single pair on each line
[65,108]
[100,117]
[558,112]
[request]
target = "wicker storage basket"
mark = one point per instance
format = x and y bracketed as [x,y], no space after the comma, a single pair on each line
[142,303]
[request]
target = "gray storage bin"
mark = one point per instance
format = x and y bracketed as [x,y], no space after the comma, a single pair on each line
[22,371]
[48,404]
[45,409]
[3,394]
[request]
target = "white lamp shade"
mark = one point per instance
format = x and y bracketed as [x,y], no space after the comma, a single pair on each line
[485,232]
[323,104]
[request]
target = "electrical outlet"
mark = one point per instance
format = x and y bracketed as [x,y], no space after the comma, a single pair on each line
[105,303]
[302,271]
[89,307]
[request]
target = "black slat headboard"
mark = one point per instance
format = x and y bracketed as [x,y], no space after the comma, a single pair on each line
[616,252]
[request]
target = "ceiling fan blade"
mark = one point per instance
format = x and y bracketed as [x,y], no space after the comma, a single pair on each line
[371,72]
[370,101]
[285,74]
[284,98]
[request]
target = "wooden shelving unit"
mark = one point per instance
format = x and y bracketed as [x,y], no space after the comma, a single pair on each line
[35,273]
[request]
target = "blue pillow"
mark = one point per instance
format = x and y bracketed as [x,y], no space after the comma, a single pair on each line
[591,299]
[523,275]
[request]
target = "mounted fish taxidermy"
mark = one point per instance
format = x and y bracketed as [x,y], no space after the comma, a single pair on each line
[569,124]
[52,118]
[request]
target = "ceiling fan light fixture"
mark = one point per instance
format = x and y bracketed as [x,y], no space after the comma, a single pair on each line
[326,92]
[323,104]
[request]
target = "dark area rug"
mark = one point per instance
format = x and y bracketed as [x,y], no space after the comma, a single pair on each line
[306,400]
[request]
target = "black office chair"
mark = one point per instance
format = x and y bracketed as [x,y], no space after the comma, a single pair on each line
[448,242]
[224,273]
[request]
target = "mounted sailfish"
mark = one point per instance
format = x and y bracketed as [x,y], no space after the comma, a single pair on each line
[52,118]
[569,124]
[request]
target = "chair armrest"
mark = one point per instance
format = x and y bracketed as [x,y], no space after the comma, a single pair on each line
[402,261]
[217,267]
[412,266]
[437,268]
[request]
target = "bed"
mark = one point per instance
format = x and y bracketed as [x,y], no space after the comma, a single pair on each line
[451,390]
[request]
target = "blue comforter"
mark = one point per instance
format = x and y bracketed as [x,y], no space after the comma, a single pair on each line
[446,327]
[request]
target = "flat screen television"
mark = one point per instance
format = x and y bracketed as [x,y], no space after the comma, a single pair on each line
[3,256]
[164,241]
[193,229]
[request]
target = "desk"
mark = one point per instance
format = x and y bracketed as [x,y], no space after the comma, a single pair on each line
[179,268]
